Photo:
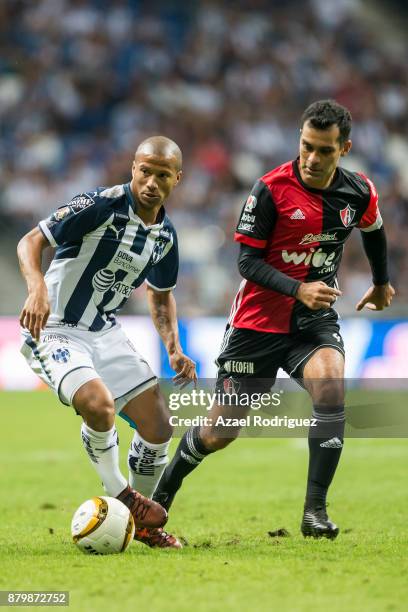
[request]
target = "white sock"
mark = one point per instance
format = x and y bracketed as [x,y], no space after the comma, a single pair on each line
[103,450]
[146,464]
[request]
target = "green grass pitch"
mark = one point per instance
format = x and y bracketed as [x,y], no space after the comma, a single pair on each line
[224,511]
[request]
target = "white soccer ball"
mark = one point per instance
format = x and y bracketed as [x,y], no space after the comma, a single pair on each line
[102,526]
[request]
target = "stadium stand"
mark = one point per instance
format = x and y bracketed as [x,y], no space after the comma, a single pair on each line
[82,82]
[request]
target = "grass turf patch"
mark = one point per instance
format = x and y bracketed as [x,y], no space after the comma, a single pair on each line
[224,511]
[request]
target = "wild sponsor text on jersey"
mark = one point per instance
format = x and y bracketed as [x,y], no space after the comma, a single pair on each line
[323,261]
[301,232]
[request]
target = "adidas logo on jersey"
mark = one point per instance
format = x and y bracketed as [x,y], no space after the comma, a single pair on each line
[298,214]
[332,443]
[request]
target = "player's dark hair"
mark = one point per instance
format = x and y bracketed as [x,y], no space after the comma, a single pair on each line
[325,113]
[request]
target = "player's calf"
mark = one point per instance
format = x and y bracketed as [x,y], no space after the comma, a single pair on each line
[323,379]
[194,446]
[148,414]
[94,403]
[188,456]
[221,430]
[146,462]
[215,440]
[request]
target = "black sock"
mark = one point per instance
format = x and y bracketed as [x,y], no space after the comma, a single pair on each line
[189,454]
[325,446]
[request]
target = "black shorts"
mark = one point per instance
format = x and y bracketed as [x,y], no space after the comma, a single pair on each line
[249,360]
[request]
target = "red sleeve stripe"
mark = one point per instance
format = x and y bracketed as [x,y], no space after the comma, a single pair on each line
[253,242]
[374,226]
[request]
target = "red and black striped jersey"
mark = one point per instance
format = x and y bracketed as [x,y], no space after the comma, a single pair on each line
[302,232]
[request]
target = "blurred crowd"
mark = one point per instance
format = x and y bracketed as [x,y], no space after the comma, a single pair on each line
[82,82]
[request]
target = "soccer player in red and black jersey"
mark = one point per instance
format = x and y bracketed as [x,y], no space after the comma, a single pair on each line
[292,231]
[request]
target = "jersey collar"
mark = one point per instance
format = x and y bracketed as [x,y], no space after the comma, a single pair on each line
[133,204]
[335,184]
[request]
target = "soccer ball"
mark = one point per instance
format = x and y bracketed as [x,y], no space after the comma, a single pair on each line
[102,525]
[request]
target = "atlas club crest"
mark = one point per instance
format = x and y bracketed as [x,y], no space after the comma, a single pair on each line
[347,215]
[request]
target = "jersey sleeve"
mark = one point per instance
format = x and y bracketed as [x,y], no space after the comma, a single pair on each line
[71,222]
[257,218]
[371,219]
[163,275]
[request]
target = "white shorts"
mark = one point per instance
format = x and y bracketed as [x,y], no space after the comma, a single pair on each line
[66,360]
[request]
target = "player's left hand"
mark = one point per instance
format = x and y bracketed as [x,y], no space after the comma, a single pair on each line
[377,297]
[185,368]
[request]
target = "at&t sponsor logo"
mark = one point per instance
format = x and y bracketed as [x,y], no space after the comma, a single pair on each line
[104,280]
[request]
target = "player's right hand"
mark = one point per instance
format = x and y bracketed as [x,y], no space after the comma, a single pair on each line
[185,368]
[317,295]
[35,311]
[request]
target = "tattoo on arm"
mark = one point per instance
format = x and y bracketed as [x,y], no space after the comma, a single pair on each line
[161,317]
[163,313]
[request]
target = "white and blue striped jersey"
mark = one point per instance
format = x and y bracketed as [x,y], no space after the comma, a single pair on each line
[103,251]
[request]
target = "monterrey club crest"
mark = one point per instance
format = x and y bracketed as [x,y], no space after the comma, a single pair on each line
[347,215]
[158,249]
[61,355]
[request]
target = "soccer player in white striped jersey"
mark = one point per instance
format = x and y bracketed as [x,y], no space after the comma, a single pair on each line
[108,242]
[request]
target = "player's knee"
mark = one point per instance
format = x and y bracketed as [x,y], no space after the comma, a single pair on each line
[97,412]
[94,402]
[102,413]
[329,391]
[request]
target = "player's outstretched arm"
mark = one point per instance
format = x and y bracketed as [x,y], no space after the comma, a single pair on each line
[36,309]
[380,295]
[163,311]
